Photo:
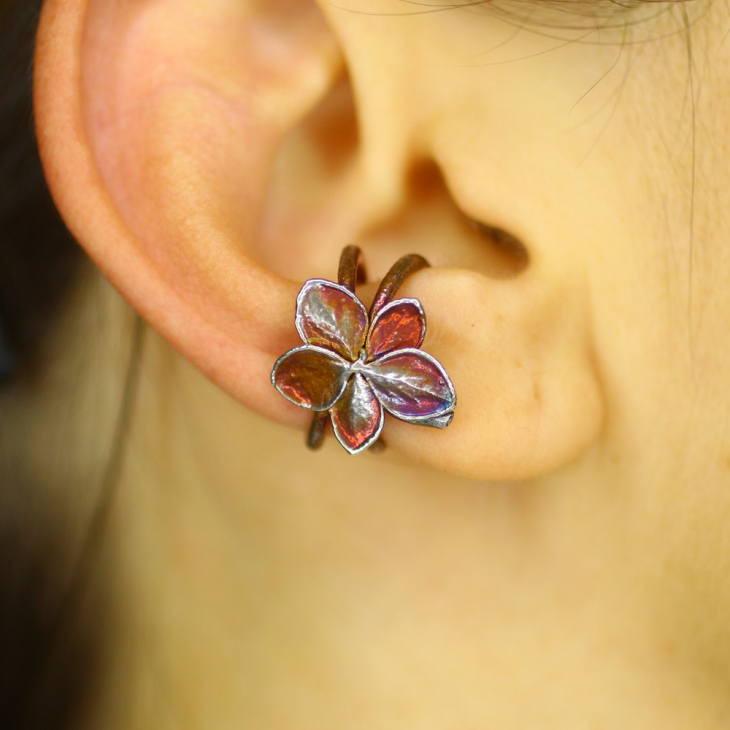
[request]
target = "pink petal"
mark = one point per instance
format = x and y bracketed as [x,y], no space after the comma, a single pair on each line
[399,324]
[357,417]
[311,377]
[411,385]
[331,316]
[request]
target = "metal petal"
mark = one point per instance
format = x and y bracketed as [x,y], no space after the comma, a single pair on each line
[412,385]
[357,418]
[399,324]
[331,316]
[311,377]
[440,421]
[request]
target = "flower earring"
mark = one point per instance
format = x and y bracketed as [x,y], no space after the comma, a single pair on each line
[357,364]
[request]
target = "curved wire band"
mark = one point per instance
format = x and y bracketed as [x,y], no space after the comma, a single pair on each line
[351,270]
[350,273]
[315,437]
[392,281]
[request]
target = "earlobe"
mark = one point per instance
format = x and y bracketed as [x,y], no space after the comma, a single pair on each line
[519,353]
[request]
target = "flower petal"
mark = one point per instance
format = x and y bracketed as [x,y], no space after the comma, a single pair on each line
[441,420]
[399,324]
[331,316]
[411,385]
[311,377]
[357,417]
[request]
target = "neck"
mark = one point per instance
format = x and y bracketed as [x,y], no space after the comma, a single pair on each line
[262,585]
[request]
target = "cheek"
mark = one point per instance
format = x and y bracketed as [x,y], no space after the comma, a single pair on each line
[604,159]
[611,163]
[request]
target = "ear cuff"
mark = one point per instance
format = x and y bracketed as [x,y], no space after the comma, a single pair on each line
[355,365]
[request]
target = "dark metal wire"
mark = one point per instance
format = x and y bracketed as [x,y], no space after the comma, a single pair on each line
[351,270]
[315,437]
[401,269]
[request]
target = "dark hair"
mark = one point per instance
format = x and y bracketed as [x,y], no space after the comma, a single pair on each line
[38,258]
[44,671]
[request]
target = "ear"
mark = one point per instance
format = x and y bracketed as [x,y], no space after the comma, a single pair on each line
[160,125]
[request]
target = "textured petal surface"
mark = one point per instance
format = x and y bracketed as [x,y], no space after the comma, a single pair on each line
[357,418]
[439,421]
[411,384]
[399,324]
[331,316]
[311,377]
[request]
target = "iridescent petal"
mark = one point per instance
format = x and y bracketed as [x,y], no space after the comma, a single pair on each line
[357,418]
[399,324]
[411,385]
[311,377]
[331,316]
[440,421]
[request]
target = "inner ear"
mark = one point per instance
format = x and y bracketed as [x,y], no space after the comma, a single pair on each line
[494,252]
[303,227]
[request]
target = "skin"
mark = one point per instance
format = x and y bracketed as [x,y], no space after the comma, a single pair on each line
[558,557]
